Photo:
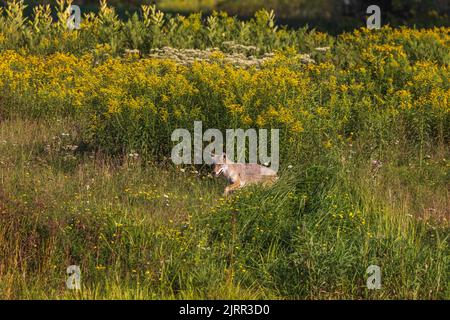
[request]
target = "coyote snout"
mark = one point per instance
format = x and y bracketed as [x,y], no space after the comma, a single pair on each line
[242,174]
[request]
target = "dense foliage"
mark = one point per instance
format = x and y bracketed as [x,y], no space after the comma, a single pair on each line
[85,122]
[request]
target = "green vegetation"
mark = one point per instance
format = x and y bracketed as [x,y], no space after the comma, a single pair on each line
[85,179]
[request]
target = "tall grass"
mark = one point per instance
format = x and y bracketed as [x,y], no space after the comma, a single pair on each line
[155,232]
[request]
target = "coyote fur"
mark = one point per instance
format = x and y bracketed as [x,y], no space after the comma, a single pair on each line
[242,174]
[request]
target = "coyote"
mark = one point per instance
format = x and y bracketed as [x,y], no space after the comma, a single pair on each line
[242,174]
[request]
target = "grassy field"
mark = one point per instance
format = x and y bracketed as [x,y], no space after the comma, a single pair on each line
[151,232]
[86,180]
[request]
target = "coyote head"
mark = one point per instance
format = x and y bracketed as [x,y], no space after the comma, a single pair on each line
[220,163]
[218,169]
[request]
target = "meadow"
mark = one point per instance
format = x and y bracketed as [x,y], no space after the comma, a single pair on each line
[85,176]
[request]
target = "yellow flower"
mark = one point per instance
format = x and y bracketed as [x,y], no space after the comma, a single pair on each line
[328,144]
[235,108]
[113,107]
[247,120]
[297,127]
